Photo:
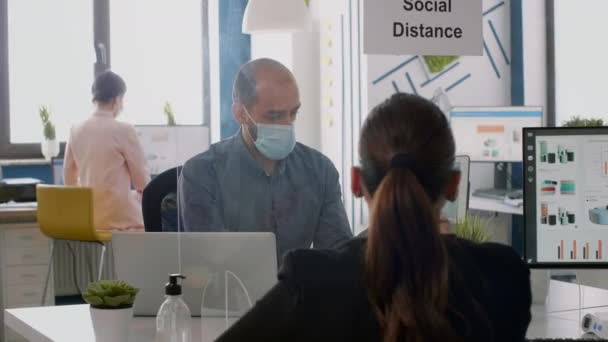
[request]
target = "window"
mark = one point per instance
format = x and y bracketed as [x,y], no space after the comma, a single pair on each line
[580,55]
[50,64]
[157,47]
[48,58]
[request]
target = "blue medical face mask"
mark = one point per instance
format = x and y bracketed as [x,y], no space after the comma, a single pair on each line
[275,142]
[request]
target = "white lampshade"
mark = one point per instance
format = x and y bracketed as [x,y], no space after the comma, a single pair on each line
[276,16]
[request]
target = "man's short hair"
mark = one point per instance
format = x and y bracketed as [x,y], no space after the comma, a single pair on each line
[244,88]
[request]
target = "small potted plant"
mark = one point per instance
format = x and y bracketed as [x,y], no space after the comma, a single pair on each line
[111,309]
[473,228]
[50,146]
[169,114]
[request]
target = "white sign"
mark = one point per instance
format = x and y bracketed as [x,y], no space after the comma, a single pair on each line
[423,27]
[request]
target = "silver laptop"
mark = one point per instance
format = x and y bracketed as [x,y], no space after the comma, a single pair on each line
[226,272]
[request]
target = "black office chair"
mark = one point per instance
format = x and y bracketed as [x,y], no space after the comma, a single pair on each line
[153,196]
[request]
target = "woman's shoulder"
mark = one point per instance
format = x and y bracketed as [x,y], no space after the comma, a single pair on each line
[501,280]
[500,265]
[345,252]
[123,127]
[331,265]
[487,254]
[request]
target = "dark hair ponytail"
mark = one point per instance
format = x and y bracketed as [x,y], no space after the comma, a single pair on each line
[406,261]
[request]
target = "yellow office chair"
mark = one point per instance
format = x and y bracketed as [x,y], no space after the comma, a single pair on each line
[66,213]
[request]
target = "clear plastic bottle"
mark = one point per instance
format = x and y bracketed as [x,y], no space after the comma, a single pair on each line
[173,321]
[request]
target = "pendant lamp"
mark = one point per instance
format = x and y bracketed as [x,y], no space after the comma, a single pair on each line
[263,16]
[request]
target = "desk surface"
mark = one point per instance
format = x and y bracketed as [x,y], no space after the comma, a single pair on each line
[17,162]
[73,323]
[486,204]
[17,212]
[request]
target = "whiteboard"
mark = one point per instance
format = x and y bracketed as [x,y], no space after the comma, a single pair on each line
[166,147]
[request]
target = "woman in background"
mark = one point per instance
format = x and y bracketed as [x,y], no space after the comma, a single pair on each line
[106,155]
[403,280]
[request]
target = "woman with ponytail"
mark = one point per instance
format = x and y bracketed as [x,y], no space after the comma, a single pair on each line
[401,280]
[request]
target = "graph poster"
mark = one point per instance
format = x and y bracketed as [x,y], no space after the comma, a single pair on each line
[492,133]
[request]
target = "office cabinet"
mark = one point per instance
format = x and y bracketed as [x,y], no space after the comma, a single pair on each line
[24,260]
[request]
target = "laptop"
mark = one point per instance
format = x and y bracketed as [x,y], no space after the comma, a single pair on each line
[241,265]
[457,211]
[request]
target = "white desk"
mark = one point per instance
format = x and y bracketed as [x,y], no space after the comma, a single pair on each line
[486,204]
[73,323]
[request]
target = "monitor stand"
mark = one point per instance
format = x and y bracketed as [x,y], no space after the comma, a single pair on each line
[502,185]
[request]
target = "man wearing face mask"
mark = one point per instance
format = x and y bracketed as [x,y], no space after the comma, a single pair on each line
[262,179]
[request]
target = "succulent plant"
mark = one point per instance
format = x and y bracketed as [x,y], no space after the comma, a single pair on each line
[110,294]
[47,125]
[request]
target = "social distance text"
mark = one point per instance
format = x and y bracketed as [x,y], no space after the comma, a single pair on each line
[407,30]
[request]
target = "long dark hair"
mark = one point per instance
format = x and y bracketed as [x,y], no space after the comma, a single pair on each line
[406,261]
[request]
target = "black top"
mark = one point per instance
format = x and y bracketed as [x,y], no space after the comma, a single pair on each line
[321,296]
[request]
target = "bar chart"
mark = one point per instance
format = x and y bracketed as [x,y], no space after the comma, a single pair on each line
[570,251]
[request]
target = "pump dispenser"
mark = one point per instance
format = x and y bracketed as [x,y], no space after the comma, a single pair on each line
[173,320]
[172,288]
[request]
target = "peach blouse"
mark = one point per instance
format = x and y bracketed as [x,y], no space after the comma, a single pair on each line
[106,155]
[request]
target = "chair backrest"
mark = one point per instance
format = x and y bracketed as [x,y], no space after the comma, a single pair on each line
[66,213]
[153,195]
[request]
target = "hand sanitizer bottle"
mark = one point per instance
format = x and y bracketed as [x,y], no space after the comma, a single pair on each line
[173,321]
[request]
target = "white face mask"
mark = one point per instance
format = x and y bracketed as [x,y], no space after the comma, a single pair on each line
[275,142]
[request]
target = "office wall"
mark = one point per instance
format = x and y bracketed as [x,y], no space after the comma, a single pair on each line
[299,52]
[535,53]
[352,83]
[471,80]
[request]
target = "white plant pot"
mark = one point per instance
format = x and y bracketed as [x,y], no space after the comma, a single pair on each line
[49,149]
[111,325]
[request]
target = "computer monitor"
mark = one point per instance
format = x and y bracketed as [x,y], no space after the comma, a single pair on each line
[457,211]
[492,134]
[166,147]
[566,197]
